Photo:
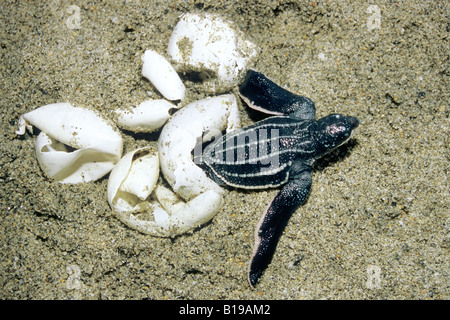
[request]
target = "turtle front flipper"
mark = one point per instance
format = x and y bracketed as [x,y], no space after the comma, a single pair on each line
[262,94]
[273,221]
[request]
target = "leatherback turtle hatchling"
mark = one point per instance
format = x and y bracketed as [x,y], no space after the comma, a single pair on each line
[278,150]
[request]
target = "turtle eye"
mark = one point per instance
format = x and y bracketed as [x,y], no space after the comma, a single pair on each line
[335,129]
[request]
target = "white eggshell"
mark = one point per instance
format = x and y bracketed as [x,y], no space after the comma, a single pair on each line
[162,75]
[153,209]
[66,166]
[148,116]
[98,143]
[143,175]
[201,209]
[132,180]
[174,219]
[180,135]
[168,199]
[213,48]
[181,217]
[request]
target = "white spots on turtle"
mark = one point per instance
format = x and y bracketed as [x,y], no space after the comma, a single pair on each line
[335,129]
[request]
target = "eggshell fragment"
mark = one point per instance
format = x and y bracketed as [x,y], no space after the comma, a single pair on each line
[132,180]
[181,217]
[148,116]
[162,75]
[97,143]
[180,136]
[212,48]
[142,204]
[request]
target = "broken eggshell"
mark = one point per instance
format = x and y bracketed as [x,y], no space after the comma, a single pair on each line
[132,180]
[148,116]
[211,48]
[97,143]
[162,75]
[181,135]
[142,204]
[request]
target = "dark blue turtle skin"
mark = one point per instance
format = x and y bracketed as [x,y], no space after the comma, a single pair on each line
[277,151]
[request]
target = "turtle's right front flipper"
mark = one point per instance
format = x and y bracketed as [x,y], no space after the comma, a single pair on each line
[273,221]
[262,94]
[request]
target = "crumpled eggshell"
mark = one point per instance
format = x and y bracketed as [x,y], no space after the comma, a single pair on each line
[212,48]
[179,217]
[97,142]
[132,180]
[148,116]
[142,204]
[162,75]
[180,136]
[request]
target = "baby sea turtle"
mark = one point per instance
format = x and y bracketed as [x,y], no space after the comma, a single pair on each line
[278,150]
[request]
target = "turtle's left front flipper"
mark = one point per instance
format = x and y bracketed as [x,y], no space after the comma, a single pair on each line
[262,94]
[273,221]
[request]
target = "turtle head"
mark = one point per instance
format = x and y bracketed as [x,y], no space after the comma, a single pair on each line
[333,130]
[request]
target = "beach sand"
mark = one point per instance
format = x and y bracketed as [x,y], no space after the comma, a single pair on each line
[376,224]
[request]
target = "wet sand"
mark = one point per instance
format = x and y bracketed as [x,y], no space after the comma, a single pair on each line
[376,225]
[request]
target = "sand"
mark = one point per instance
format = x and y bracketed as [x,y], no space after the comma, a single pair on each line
[376,225]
